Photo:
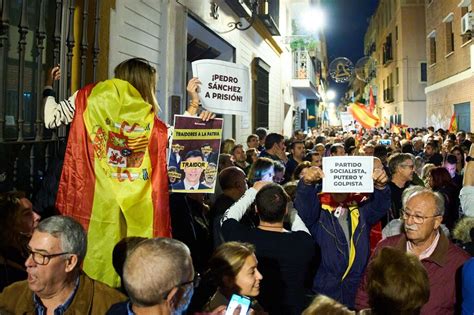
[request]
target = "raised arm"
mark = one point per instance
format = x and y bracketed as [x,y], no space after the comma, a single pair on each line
[380,203]
[306,201]
[238,209]
[295,221]
[56,114]
[466,196]
[193,106]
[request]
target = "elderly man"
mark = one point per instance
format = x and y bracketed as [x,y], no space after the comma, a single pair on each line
[422,213]
[55,282]
[340,224]
[159,278]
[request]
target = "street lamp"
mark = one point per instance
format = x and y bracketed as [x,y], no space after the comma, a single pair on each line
[313,20]
[330,95]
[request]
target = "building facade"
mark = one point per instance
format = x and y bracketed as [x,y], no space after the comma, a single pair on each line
[450,52]
[395,39]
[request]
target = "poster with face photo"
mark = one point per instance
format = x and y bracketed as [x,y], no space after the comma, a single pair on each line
[194,154]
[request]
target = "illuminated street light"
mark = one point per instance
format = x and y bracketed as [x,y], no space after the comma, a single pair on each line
[330,95]
[313,20]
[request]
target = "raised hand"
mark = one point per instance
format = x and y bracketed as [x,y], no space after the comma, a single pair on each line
[53,75]
[312,175]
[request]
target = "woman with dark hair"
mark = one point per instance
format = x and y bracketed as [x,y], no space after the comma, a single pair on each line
[459,153]
[17,222]
[440,181]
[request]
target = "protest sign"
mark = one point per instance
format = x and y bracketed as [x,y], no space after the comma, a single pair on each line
[194,154]
[347,121]
[348,174]
[225,87]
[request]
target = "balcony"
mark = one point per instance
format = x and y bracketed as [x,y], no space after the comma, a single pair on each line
[304,78]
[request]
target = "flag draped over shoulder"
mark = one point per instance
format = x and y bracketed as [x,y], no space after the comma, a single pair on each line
[453,124]
[114,179]
[366,118]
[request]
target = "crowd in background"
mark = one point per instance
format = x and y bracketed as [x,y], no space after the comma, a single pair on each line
[268,233]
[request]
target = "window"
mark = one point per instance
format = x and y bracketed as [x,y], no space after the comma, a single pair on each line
[396,76]
[448,26]
[387,49]
[423,72]
[432,45]
[260,73]
[396,32]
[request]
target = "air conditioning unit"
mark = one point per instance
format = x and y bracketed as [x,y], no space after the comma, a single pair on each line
[466,22]
[240,7]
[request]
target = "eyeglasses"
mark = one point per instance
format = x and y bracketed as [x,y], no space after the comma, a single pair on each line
[43,259]
[195,281]
[411,166]
[418,219]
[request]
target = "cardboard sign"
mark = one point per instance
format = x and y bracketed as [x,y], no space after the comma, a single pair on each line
[194,154]
[348,174]
[225,86]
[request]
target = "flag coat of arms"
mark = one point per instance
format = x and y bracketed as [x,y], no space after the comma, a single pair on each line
[114,179]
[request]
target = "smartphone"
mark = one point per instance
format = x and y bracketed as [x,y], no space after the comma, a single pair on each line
[235,301]
[386,141]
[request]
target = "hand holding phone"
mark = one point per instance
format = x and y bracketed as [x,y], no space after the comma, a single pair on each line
[236,301]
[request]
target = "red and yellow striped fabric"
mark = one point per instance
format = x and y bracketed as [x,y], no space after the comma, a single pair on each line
[114,179]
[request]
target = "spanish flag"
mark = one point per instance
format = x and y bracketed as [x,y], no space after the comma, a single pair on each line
[366,118]
[453,124]
[114,179]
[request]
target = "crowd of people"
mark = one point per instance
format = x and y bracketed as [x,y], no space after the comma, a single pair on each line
[268,233]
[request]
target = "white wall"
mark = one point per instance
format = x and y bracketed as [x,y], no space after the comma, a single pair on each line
[137,30]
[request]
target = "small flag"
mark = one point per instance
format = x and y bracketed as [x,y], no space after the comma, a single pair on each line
[453,124]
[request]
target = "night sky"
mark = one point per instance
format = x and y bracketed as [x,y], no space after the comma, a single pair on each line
[346,23]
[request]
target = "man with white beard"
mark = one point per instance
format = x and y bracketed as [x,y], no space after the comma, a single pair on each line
[422,215]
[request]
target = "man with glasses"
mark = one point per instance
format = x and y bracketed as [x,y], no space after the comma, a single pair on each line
[55,282]
[159,278]
[422,215]
[402,168]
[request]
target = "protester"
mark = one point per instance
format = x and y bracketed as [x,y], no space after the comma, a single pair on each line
[397,283]
[262,169]
[159,278]
[55,282]
[343,238]
[422,214]
[116,149]
[275,148]
[17,222]
[233,269]
[285,258]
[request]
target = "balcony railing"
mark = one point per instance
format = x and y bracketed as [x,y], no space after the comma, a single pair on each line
[303,68]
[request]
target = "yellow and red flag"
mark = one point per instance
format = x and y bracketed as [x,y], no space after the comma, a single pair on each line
[366,118]
[114,179]
[453,124]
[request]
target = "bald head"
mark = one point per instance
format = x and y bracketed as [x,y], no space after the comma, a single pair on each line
[155,267]
[231,177]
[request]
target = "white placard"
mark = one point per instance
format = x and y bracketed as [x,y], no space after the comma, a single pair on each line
[225,87]
[348,174]
[347,121]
